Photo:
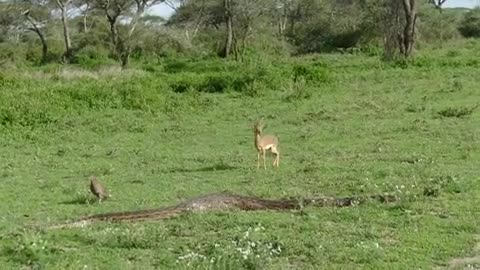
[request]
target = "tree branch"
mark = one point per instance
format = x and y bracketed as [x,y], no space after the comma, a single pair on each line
[171,5]
[60,4]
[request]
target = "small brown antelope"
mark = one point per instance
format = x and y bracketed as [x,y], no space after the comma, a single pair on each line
[264,143]
[97,189]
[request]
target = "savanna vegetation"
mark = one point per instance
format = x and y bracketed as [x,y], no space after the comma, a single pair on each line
[366,97]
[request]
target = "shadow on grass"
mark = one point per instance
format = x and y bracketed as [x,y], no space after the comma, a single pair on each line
[137,182]
[81,200]
[217,167]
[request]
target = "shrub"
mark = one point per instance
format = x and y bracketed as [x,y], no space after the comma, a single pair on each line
[8,81]
[141,96]
[311,73]
[27,113]
[245,82]
[219,83]
[297,90]
[456,112]
[93,95]
[435,26]
[12,52]
[175,66]
[470,25]
[186,81]
[91,57]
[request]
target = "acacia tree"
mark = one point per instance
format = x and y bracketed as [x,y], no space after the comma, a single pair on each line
[64,6]
[228,14]
[236,19]
[36,27]
[241,19]
[123,17]
[84,8]
[283,12]
[191,16]
[408,38]
[438,5]
[9,23]
[399,20]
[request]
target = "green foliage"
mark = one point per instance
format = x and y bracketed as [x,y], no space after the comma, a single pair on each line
[470,25]
[321,39]
[297,90]
[449,184]
[315,73]
[251,78]
[33,52]
[30,249]
[260,28]
[456,112]
[89,94]
[435,26]
[165,43]
[12,52]
[187,81]
[219,82]
[331,26]
[91,57]
[250,249]
[20,109]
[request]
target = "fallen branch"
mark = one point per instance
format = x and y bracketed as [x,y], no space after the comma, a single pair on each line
[225,201]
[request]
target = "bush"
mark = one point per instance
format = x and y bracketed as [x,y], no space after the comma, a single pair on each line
[27,112]
[186,81]
[219,83]
[215,82]
[310,73]
[470,25]
[216,76]
[140,96]
[297,90]
[457,112]
[436,26]
[12,52]
[91,57]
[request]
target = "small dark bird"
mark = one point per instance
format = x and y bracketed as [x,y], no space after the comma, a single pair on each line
[26,12]
[97,189]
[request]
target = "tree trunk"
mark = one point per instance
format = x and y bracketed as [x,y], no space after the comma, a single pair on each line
[124,61]
[293,17]
[43,40]
[120,47]
[441,26]
[66,35]
[122,44]
[229,24]
[282,22]
[125,58]
[85,28]
[410,9]
[44,47]
[113,35]
[392,37]
[439,5]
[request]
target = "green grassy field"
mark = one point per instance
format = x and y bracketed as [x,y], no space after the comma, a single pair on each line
[156,135]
